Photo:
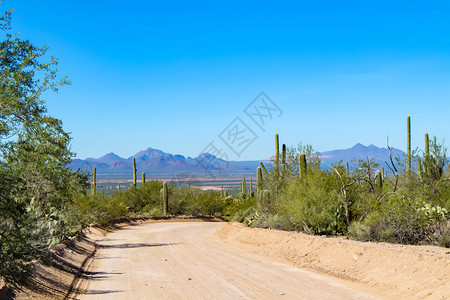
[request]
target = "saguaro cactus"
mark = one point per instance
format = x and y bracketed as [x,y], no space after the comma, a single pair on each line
[134,172]
[277,155]
[419,167]
[303,167]
[259,180]
[143,179]
[251,187]
[283,159]
[165,198]
[408,145]
[118,188]
[264,168]
[427,146]
[379,179]
[264,197]
[94,181]
[347,168]
[243,187]
[382,172]
[426,159]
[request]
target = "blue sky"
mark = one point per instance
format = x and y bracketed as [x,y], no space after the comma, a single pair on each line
[172,75]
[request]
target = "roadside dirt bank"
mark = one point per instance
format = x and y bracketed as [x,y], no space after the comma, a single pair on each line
[405,271]
[59,278]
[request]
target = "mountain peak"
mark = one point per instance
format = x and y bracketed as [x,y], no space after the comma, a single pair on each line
[358,146]
[359,152]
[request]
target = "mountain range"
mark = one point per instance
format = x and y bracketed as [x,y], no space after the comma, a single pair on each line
[360,152]
[154,161]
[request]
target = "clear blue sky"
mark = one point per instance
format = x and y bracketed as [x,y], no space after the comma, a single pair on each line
[173,74]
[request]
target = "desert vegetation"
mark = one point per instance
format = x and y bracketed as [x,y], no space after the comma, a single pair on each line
[364,202]
[43,203]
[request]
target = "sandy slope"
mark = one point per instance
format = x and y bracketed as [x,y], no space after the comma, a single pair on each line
[401,271]
[190,261]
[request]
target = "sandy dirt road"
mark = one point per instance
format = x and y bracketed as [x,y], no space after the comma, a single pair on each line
[188,261]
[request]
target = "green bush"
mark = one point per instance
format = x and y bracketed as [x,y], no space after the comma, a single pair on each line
[311,204]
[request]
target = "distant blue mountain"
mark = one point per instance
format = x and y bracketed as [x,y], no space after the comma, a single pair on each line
[360,152]
[154,161]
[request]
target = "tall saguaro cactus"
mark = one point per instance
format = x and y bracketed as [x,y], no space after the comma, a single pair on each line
[408,146]
[165,195]
[259,180]
[303,167]
[243,187]
[283,160]
[134,172]
[143,179]
[94,181]
[251,187]
[277,154]
[426,159]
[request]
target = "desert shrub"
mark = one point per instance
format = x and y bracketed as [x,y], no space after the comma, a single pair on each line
[139,200]
[195,202]
[239,209]
[99,209]
[273,221]
[311,204]
[403,220]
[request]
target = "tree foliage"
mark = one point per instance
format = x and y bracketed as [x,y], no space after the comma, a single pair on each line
[36,187]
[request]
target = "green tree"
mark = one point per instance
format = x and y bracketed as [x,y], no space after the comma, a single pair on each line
[36,186]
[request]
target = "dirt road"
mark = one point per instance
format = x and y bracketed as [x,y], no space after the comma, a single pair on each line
[188,261]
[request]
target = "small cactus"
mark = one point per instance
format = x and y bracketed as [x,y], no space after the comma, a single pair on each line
[94,181]
[379,179]
[251,187]
[134,172]
[426,158]
[408,146]
[419,167]
[264,199]
[277,155]
[165,198]
[303,166]
[118,188]
[259,180]
[161,194]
